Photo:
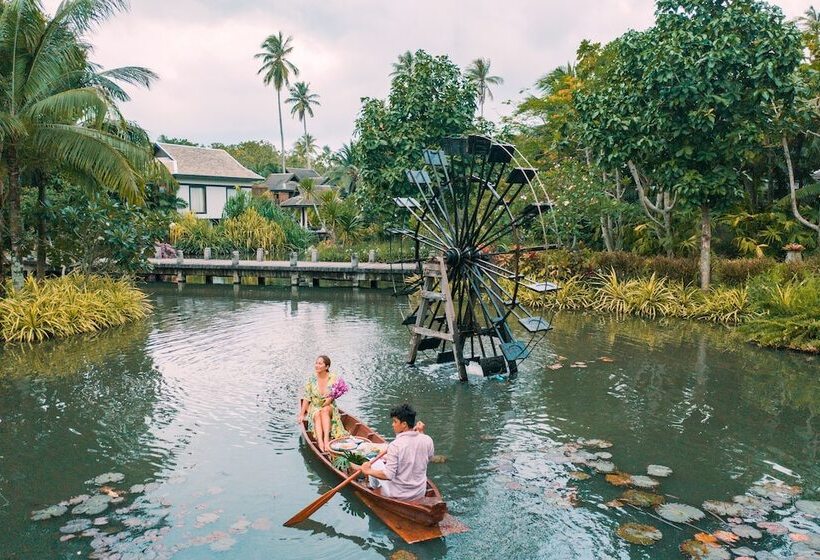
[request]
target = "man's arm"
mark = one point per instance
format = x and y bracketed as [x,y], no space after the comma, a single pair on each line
[391,462]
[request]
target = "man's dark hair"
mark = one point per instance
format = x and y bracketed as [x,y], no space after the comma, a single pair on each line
[404,413]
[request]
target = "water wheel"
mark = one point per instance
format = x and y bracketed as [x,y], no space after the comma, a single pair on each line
[477,212]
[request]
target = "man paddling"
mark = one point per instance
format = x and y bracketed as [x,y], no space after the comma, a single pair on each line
[402,472]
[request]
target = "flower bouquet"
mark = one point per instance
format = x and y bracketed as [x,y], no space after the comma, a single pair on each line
[338,389]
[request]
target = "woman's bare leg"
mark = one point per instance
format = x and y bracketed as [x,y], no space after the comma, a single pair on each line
[318,430]
[324,417]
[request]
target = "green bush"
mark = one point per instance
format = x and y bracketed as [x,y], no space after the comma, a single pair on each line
[675,268]
[734,272]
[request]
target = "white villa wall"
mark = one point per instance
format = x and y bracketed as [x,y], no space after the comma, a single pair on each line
[215,198]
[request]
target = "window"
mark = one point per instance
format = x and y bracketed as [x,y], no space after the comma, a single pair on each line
[197,200]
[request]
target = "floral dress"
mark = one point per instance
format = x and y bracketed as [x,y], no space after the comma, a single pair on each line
[316,400]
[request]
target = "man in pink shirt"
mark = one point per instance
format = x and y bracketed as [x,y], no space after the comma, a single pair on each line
[402,472]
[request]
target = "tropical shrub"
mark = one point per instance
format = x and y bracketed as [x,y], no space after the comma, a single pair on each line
[250,231]
[734,272]
[786,313]
[68,305]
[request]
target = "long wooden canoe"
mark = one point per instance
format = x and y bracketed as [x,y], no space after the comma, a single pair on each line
[414,522]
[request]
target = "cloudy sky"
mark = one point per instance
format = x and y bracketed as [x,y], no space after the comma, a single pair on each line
[209,90]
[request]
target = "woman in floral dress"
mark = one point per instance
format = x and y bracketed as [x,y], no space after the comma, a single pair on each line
[320,410]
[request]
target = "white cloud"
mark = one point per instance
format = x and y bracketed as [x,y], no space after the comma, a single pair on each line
[209,90]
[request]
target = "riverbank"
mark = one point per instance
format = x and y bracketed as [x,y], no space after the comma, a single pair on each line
[773,304]
[69,305]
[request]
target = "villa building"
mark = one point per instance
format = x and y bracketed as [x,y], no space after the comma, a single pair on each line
[207,177]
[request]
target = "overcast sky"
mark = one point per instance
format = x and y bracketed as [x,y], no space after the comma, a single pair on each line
[209,90]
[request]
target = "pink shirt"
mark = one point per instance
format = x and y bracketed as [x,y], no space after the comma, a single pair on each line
[405,464]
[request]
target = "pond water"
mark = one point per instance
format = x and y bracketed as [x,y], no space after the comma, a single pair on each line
[198,404]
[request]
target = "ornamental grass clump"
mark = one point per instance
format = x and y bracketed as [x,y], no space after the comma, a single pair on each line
[613,294]
[785,313]
[67,306]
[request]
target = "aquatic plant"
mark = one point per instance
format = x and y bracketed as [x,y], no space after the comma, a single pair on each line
[67,306]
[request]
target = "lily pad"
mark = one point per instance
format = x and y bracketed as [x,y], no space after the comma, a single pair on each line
[810,507]
[48,513]
[602,466]
[78,499]
[743,551]
[579,475]
[658,470]
[599,443]
[619,479]
[76,525]
[641,499]
[773,528]
[725,509]
[746,532]
[108,478]
[642,481]
[776,491]
[604,455]
[403,555]
[726,536]
[94,505]
[754,502]
[704,551]
[636,533]
[679,513]
[137,489]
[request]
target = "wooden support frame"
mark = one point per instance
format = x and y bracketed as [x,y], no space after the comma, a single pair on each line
[436,270]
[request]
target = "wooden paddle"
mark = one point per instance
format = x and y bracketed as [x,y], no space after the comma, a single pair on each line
[325,498]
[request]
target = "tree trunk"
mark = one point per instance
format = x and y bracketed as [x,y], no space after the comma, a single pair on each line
[307,152]
[41,226]
[793,193]
[606,233]
[705,248]
[15,216]
[2,231]
[663,207]
[281,127]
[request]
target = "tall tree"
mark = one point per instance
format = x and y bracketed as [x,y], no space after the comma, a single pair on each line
[432,101]
[303,101]
[58,112]
[689,98]
[276,70]
[305,147]
[345,173]
[479,73]
[403,65]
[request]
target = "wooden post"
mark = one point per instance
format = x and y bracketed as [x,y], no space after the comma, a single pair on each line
[207,254]
[235,258]
[236,278]
[371,256]
[260,254]
[450,313]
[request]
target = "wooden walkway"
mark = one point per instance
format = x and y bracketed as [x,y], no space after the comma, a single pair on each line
[300,273]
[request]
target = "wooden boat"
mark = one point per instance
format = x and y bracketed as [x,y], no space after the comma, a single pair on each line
[416,521]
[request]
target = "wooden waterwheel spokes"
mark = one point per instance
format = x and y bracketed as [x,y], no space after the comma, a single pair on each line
[471,215]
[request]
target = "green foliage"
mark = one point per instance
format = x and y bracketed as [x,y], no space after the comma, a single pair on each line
[245,232]
[67,306]
[260,156]
[163,139]
[98,232]
[428,101]
[735,272]
[785,311]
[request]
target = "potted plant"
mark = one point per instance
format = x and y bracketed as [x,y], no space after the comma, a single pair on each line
[794,252]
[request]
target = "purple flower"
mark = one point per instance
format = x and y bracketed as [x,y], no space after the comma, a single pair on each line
[338,389]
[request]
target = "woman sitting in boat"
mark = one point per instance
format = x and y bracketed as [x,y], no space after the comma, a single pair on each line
[319,408]
[402,472]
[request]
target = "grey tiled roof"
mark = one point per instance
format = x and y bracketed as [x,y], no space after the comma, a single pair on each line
[281,182]
[204,162]
[300,200]
[303,173]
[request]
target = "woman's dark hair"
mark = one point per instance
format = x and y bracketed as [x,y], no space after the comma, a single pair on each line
[326,360]
[404,413]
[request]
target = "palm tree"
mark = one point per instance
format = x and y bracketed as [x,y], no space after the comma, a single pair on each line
[305,147]
[404,65]
[277,69]
[479,73]
[58,112]
[809,22]
[345,173]
[303,101]
[307,188]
